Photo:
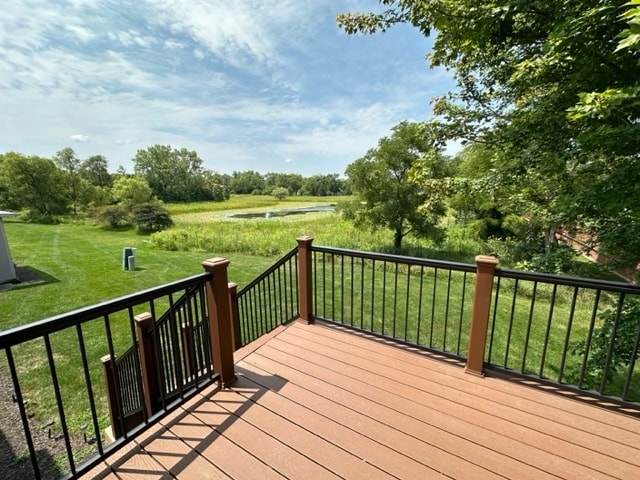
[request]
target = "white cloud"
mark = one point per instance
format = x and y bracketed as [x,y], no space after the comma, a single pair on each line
[131,37]
[81,33]
[78,137]
[172,44]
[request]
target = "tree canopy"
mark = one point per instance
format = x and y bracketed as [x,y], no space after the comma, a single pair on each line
[550,87]
[385,198]
[32,183]
[177,175]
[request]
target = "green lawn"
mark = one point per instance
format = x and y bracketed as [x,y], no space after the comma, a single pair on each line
[81,265]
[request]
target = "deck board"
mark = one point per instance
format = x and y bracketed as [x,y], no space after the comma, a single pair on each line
[499,416]
[313,401]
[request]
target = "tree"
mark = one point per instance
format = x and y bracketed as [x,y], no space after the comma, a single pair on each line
[247,182]
[131,191]
[67,161]
[475,202]
[173,175]
[291,181]
[208,185]
[32,183]
[95,170]
[522,70]
[385,196]
[280,193]
[322,185]
[111,216]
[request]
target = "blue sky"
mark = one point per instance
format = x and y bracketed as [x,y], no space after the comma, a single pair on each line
[272,86]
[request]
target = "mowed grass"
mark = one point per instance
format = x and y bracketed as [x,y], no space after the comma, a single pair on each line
[80,265]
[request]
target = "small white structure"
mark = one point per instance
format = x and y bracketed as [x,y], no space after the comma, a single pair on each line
[7,269]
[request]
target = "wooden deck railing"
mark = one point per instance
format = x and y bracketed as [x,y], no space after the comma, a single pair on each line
[583,334]
[169,357]
[543,326]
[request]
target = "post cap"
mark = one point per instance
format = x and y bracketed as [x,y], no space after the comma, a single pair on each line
[487,259]
[215,263]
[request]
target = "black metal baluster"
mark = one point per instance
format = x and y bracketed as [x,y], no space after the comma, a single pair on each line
[419,319]
[433,306]
[384,295]
[460,320]
[58,395]
[87,381]
[548,330]
[568,335]
[446,314]
[529,322]
[406,307]
[612,341]
[587,348]
[510,327]
[23,413]
[493,321]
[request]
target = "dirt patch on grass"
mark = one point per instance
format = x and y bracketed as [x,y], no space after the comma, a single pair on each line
[15,462]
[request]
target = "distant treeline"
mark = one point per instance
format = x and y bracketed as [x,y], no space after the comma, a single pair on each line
[64,184]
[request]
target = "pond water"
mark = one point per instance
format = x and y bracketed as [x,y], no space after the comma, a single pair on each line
[283,213]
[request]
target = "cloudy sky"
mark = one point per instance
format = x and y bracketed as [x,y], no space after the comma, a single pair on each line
[267,85]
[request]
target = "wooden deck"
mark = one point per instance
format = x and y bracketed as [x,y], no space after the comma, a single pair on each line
[315,402]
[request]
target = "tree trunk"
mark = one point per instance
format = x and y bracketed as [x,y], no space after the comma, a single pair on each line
[550,239]
[397,239]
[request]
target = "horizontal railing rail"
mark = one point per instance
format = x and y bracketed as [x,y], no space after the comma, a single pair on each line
[56,323]
[268,301]
[581,333]
[418,301]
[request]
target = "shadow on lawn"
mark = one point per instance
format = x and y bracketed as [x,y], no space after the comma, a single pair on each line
[29,277]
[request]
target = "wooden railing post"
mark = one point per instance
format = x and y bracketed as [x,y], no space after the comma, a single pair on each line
[220,326]
[112,395]
[486,267]
[305,279]
[146,349]
[235,316]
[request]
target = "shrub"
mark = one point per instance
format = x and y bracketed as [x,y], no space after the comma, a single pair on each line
[111,216]
[620,350]
[33,216]
[151,217]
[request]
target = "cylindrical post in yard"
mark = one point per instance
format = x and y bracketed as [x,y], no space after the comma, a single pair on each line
[486,267]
